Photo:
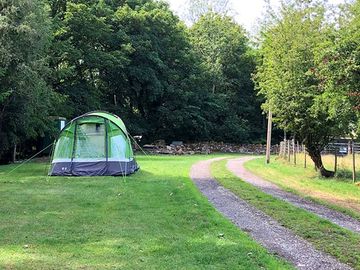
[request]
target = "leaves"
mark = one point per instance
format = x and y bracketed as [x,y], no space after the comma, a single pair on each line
[305,76]
[25,97]
[227,59]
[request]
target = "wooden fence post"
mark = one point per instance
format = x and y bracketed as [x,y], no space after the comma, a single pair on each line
[297,147]
[353,162]
[294,150]
[14,154]
[288,150]
[335,165]
[349,148]
[304,149]
[280,149]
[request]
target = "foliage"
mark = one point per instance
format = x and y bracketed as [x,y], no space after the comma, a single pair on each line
[162,84]
[25,97]
[135,59]
[341,68]
[86,48]
[197,8]
[228,62]
[293,78]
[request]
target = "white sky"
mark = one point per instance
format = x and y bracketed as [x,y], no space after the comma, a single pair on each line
[246,11]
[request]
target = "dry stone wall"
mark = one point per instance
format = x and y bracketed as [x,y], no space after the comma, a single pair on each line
[179,148]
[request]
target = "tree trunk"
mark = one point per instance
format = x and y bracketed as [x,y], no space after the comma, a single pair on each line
[316,157]
[14,154]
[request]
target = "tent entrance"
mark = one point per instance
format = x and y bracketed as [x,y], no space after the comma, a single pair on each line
[90,142]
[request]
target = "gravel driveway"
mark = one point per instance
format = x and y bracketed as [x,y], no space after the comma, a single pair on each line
[261,227]
[236,166]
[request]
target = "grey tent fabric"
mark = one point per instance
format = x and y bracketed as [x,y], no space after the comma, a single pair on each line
[111,168]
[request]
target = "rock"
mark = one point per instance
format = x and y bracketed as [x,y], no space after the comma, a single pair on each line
[148,146]
[160,143]
[177,143]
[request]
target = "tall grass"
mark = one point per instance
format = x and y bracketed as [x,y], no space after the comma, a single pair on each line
[344,164]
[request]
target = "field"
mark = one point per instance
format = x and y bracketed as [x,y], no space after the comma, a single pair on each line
[155,219]
[339,192]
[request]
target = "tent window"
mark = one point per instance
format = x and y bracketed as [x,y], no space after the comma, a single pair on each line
[117,143]
[63,148]
[90,141]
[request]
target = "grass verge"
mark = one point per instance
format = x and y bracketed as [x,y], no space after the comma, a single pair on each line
[325,236]
[337,194]
[154,219]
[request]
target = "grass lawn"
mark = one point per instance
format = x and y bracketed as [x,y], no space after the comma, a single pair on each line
[324,235]
[340,194]
[154,219]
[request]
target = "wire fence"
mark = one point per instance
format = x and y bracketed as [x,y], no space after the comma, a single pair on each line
[341,157]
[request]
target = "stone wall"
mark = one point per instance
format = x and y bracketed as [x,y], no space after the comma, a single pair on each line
[178,148]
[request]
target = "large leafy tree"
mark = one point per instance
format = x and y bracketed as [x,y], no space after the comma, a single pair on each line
[228,61]
[292,77]
[132,58]
[86,49]
[25,98]
[340,68]
[161,89]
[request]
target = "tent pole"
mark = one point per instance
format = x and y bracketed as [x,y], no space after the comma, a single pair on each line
[106,141]
[74,146]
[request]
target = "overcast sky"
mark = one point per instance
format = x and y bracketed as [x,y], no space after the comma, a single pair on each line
[246,11]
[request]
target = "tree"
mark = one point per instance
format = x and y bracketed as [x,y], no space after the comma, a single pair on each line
[132,58]
[86,49]
[197,8]
[228,61]
[340,69]
[161,89]
[26,100]
[291,77]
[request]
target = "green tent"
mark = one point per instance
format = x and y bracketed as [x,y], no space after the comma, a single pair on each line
[96,143]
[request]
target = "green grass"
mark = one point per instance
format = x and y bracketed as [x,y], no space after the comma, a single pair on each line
[154,219]
[324,235]
[339,194]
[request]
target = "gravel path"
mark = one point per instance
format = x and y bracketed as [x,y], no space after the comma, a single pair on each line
[261,227]
[236,166]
